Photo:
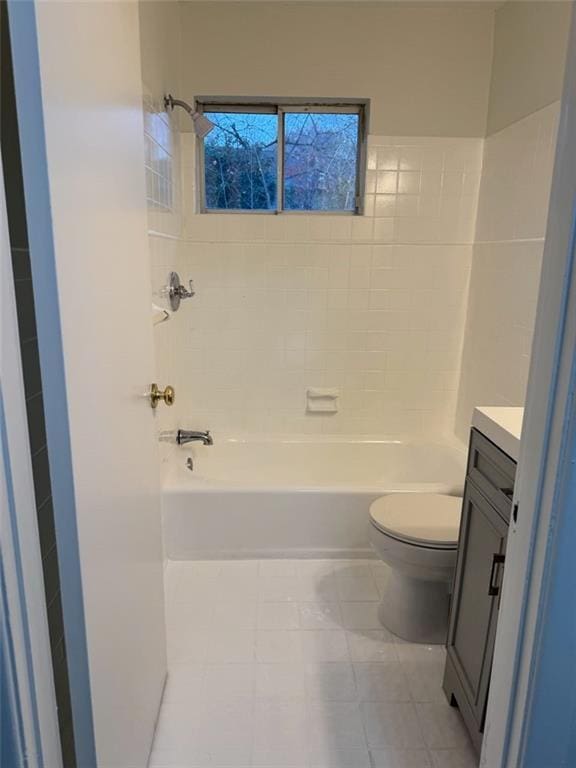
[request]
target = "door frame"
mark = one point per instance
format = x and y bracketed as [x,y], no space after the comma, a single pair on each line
[27,81]
[545,470]
[24,622]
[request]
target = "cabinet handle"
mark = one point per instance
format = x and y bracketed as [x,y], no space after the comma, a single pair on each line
[497,560]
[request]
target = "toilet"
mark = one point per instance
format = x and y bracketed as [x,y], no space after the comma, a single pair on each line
[416,534]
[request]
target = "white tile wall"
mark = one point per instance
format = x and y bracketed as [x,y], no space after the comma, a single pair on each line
[371,305]
[159,152]
[164,228]
[512,213]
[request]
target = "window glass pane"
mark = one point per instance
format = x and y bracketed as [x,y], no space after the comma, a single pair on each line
[320,161]
[240,157]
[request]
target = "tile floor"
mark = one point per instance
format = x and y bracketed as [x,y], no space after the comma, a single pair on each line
[283,664]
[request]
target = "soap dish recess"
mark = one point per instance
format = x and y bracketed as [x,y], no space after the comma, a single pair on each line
[322,400]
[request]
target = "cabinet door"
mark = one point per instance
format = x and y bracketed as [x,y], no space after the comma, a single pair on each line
[475,601]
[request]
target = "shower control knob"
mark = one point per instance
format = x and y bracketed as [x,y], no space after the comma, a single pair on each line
[176,291]
[167,394]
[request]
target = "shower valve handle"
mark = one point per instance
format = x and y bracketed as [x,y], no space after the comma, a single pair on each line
[176,291]
[185,293]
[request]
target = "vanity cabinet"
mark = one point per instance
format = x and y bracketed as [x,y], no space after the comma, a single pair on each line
[478,579]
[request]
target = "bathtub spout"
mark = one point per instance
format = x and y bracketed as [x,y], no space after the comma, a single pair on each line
[188,436]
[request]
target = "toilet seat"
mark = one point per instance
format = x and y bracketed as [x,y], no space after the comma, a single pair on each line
[430,520]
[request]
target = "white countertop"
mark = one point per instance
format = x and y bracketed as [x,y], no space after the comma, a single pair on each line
[503,426]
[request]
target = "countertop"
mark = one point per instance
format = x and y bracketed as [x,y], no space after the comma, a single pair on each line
[503,426]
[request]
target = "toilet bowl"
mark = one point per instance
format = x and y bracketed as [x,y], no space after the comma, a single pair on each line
[416,534]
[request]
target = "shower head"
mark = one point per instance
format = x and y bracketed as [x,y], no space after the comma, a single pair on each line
[202,126]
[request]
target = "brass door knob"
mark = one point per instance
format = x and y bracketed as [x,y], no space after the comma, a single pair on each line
[167,394]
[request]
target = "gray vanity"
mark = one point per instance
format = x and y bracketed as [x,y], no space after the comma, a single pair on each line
[486,514]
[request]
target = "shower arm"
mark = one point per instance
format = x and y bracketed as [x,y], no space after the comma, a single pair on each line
[171,102]
[202,126]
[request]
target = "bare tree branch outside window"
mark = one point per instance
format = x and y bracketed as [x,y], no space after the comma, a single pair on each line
[318,160]
[240,159]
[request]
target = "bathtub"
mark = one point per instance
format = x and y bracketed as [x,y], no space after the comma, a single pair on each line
[295,497]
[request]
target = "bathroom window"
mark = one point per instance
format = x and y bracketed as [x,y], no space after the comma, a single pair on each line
[283,157]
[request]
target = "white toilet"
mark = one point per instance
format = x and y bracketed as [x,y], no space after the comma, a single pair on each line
[416,534]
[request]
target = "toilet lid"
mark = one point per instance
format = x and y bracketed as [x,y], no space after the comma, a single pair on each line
[428,519]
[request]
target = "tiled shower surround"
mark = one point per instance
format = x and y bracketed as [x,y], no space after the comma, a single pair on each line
[162,152]
[381,307]
[509,244]
[373,305]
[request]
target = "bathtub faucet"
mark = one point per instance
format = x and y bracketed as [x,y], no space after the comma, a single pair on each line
[188,436]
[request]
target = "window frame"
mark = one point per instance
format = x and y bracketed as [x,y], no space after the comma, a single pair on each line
[280,107]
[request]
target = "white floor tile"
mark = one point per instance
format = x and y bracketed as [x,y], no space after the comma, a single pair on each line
[226,733]
[279,589]
[240,586]
[280,681]
[171,575]
[176,739]
[400,758]
[231,646]
[353,569]
[335,725]
[274,646]
[195,587]
[360,615]
[194,615]
[454,758]
[286,755]
[279,734]
[382,681]
[334,757]
[357,588]
[191,757]
[320,587]
[186,646]
[183,684]
[238,614]
[330,681]
[425,680]
[442,727]
[324,645]
[284,615]
[371,645]
[392,724]
[284,664]
[229,681]
[417,652]
[320,616]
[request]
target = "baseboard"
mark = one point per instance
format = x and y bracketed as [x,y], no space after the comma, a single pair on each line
[279,554]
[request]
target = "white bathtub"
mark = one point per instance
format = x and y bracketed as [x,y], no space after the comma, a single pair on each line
[293,498]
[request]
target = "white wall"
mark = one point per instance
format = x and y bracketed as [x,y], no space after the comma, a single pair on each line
[530,39]
[426,66]
[371,305]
